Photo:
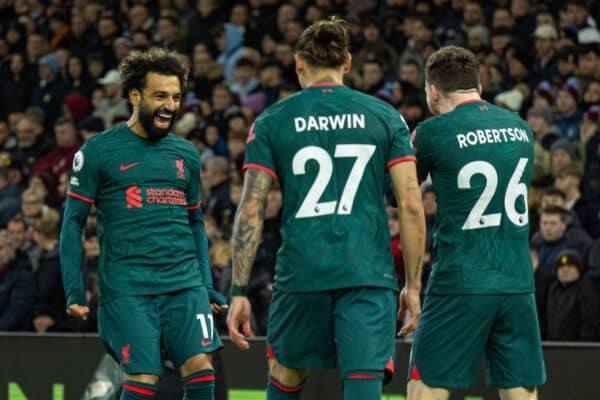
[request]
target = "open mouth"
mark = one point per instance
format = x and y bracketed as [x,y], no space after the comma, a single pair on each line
[163,121]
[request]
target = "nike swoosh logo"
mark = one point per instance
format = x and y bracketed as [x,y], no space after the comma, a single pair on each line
[206,342]
[126,167]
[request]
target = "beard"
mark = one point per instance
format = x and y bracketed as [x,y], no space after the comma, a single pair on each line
[149,119]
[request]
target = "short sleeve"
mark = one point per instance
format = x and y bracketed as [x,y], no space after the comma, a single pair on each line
[423,151]
[194,192]
[401,148]
[85,174]
[259,154]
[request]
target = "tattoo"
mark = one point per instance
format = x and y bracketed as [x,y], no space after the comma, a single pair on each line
[247,228]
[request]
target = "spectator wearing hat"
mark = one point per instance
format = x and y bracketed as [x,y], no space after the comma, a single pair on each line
[90,127]
[543,95]
[567,37]
[121,47]
[51,89]
[573,303]
[562,154]
[112,104]
[545,63]
[569,116]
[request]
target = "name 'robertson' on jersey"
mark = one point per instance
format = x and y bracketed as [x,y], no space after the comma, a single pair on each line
[483,136]
[329,122]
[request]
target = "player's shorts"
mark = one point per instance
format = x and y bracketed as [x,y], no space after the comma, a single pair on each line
[353,328]
[455,332]
[134,328]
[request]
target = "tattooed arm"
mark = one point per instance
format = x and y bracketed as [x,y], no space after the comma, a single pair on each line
[412,234]
[246,237]
[248,224]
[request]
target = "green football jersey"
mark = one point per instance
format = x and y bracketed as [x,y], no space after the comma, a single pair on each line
[480,158]
[330,146]
[142,192]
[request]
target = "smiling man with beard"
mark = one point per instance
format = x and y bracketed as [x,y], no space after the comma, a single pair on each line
[154,275]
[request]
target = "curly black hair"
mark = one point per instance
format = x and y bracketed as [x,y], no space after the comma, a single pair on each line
[135,67]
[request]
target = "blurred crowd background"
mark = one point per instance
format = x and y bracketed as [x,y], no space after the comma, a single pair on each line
[59,85]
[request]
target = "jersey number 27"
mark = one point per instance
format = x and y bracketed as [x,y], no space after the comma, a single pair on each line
[514,190]
[311,207]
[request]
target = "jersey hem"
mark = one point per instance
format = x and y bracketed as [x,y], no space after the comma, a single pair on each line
[195,207]
[261,168]
[283,288]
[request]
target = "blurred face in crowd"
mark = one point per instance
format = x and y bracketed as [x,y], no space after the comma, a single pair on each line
[410,73]
[31,206]
[202,62]
[6,254]
[566,67]
[205,7]
[567,183]
[544,47]
[140,40]
[285,13]
[107,28]
[270,76]
[576,14]
[560,159]
[16,231]
[37,46]
[544,18]
[221,98]
[538,124]
[592,93]
[552,227]
[138,15]
[17,63]
[75,68]
[552,200]
[166,30]
[284,53]
[4,131]
[429,203]
[239,15]
[499,43]
[519,8]
[371,74]
[211,135]
[78,25]
[565,103]
[65,134]
[243,74]
[567,273]
[588,63]
[371,33]
[27,132]
[502,18]
[472,14]
[421,33]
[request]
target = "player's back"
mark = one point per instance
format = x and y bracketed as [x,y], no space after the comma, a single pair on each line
[329,147]
[480,158]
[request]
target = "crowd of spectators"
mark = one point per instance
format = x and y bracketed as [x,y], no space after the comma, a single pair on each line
[59,85]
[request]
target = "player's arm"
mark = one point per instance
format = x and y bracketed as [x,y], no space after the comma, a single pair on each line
[247,230]
[412,233]
[71,250]
[217,300]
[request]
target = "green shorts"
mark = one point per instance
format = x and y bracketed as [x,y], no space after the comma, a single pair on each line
[353,328]
[134,328]
[455,332]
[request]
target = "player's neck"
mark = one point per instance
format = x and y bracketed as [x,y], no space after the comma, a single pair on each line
[457,98]
[134,124]
[324,76]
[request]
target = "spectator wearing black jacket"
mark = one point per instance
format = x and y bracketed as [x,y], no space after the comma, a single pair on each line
[17,294]
[573,304]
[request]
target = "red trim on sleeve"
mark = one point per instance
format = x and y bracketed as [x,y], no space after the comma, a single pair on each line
[361,376]
[401,159]
[139,390]
[320,84]
[205,378]
[261,168]
[414,374]
[195,207]
[80,197]
[285,388]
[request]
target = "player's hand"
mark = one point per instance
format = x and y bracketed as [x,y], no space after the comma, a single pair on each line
[218,302]
[77,311]
[239,315]
[410,299]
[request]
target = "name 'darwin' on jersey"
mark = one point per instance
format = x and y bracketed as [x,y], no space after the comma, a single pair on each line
[329,122]
[483,136]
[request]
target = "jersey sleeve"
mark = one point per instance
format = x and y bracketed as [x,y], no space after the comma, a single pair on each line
[401,148]
[85,175]
[194,192]
[423,152]
[259,154]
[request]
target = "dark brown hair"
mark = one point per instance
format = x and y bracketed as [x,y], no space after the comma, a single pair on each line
[556,210]
[452,68]
[325,43]
[138,64]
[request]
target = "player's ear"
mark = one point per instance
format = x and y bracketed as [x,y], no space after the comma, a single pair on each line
[479,88]
[299,64]
[348,63]
[135,97]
